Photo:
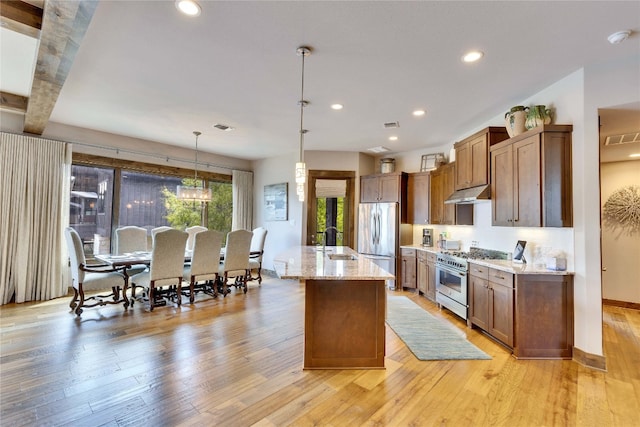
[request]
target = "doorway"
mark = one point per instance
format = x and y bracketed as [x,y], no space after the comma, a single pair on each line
[331,208]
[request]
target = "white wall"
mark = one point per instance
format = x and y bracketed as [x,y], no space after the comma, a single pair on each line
[620,248]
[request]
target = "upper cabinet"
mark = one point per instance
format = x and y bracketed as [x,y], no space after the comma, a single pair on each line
[442,186]
[418,188]
[531,183]
[472,157]
[383,187]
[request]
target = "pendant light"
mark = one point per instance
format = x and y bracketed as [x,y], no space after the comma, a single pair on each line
[301,170]
[194,193]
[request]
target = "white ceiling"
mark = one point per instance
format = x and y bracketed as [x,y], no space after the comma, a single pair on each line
[144,70]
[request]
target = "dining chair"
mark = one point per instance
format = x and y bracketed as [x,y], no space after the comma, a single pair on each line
[192,232]
[157,230]
[93,278]
[256,252]
[236,260]
[205,263]
[130,239]
[163,279]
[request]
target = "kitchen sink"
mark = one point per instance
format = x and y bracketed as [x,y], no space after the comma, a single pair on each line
[342,257]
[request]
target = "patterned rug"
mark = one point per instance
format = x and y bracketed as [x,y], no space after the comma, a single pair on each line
[427,337]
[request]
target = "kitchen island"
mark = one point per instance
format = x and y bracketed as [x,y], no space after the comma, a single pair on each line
[345,306]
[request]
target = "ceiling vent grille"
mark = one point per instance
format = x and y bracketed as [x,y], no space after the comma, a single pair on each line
[626,138]
[223,127]
[391,125]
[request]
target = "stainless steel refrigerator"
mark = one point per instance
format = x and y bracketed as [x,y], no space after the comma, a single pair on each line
[379,234]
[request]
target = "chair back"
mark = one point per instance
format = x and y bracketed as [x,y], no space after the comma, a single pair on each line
[167,255]
[206,252]
[236,256]
[257,242]
[130,239]
[76,255]
[157,230]
[192,232]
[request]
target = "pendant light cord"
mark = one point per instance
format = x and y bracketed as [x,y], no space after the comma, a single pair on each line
[195,184]
[302,104]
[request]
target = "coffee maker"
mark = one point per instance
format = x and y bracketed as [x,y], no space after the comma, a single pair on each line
[427,237]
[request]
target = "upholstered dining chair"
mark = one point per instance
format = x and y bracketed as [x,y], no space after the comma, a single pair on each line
[236,259]
[130,239]
[256,252]
[205,263]
[93,278]
[157,230]
[192,232]
[163,279]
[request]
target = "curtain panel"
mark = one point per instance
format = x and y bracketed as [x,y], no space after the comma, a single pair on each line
[34,188]
[242,184]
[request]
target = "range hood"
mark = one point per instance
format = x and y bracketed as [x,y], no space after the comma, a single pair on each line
[470,195]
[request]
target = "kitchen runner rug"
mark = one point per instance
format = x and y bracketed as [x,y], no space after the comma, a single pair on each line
[427,337]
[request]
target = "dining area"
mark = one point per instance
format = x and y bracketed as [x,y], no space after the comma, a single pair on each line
[174,265]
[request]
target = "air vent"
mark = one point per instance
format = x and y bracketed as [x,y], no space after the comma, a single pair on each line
[626,138]
[379,149]
[223,127]
[391,125]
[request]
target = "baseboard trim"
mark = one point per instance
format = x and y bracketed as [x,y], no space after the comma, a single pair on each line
[589,360]
[624,304]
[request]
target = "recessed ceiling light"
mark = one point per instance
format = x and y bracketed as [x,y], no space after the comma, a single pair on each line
[379,149]
[634,155]
[188,7]
[337,106]
[472,56]
[419,113]
[619,37]
[393,138]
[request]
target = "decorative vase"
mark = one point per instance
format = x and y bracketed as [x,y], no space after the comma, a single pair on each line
[538,115]
[515,120]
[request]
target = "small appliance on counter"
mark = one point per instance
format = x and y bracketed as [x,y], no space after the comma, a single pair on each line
[427,237]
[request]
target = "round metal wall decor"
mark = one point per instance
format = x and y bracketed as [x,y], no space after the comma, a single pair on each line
[623,208]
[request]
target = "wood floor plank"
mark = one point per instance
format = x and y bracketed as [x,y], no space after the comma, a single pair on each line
[237,361]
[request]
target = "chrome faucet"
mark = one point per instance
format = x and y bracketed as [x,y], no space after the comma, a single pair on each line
[324,240]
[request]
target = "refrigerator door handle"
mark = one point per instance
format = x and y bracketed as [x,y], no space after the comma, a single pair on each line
[373,228]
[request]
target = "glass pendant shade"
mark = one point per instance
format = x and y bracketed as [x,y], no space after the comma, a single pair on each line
[196,194]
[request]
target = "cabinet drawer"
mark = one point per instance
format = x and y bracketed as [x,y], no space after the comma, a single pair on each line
[501,277]
[408,252]
[422,255]
[479,271]
[431,257]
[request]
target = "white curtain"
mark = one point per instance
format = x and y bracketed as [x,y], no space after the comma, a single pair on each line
[34,189]
[242,183]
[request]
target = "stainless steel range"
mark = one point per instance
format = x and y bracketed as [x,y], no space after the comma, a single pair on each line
[451,277]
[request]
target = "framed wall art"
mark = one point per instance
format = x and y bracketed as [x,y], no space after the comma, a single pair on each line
[275,202]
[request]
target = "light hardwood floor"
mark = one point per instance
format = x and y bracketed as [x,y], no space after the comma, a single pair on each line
[236,361]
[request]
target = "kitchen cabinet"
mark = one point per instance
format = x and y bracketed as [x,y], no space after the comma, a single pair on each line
[426,274]
[491,302]
[408,270]
[472,157]
[431,276]
[418,189]
[383,187]
[442,186]
[531,179]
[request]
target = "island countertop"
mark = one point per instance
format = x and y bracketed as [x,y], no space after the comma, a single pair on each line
[310,263]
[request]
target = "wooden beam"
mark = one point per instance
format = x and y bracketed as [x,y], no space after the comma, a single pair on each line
[9,101]
[21,17]
[64,25]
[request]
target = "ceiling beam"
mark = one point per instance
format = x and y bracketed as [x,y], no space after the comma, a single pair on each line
[12,102]
[64,25]
[21,17]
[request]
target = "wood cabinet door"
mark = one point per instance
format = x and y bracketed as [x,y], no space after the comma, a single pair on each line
[502,186]
[479,161]
[448,187]
[389,188]
[431,281]
[501,312]
[409,271]
[423,273]
[527,194]
[479,302]
[418,186]
[437,200]
[463,166]
[369,188]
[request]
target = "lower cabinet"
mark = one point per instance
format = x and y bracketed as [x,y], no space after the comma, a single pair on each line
[408,268]
[426,274]
[530,313]
[491,302]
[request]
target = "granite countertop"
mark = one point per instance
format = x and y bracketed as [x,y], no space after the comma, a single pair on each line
[432,249]
[509,266]
[309,262]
